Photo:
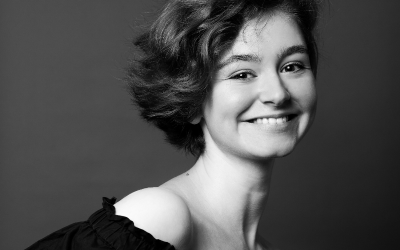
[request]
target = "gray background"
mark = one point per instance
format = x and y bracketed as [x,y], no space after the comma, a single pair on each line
[69,135]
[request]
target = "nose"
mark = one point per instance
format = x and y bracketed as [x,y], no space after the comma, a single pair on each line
[273,91]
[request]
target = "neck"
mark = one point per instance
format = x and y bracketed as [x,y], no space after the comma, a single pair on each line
[233,192]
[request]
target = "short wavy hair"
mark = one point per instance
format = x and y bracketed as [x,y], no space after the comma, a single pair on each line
[170,78]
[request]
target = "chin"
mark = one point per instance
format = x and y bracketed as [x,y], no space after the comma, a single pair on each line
[273,151]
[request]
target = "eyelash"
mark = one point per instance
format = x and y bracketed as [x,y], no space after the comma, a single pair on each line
[247,75]
[239,76]
[299,66]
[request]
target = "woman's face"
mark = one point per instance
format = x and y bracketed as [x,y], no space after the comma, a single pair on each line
[263,96]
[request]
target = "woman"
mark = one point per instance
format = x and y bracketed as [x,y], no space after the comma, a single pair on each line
[232,82]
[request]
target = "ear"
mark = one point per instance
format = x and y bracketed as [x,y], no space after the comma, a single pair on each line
[196,120]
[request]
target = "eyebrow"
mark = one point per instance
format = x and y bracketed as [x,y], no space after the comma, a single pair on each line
[295,49]
[237,58]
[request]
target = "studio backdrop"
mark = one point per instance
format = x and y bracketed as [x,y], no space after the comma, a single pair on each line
[69,134]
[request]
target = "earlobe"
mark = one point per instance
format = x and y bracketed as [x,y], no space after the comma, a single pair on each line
[196,120]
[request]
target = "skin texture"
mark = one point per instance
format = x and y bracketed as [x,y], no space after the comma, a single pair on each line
[261,87]
[266,74]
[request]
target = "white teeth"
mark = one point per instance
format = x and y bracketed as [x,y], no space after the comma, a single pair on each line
[272,121]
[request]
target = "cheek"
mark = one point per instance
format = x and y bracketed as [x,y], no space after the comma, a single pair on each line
[309,100]
[227,102]
[305,94]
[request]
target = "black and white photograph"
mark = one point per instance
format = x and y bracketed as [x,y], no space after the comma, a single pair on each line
[199,125]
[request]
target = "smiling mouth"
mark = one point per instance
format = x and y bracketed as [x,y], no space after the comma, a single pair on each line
[272,121]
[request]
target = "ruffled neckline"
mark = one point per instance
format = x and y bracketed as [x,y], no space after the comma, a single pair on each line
[119,230]
[108,206]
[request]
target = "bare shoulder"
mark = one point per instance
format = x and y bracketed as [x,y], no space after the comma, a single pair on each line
[160,212]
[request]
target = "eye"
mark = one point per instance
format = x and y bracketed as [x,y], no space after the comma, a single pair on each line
[293,67]
[242,75]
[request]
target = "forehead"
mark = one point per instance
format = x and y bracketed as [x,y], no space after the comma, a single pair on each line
[267,35]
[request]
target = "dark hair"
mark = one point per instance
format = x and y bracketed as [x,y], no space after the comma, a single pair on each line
[170,80]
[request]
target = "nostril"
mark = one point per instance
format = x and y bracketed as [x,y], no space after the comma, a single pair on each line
[275,93]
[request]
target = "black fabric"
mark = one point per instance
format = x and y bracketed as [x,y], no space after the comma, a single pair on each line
[103,230]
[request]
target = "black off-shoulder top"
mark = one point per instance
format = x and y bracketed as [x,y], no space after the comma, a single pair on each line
[104,230]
